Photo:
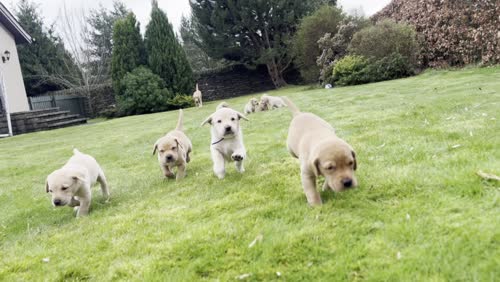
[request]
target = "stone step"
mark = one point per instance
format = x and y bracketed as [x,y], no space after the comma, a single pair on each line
[34,112]
[60,118]
[67,123]
[48,115]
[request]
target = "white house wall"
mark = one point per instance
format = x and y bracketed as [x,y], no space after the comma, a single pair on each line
[12,76]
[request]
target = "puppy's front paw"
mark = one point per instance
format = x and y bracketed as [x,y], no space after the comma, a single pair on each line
[237,157]
[169,175]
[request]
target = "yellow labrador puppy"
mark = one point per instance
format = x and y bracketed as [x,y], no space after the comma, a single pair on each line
[268,103]
[173,150]
[227,140]
[71,184]
[197,97]
[320,152]
[251,106]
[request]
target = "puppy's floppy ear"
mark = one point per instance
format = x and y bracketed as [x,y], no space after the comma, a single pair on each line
[207,120]
[354,157]
[77,176]
[178,144]
[314,163]
[241,116]
[47,186]
[155,147]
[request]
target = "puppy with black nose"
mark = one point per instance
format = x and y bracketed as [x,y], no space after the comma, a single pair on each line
[227,140]
[321,153]
[71,184]
[173,151]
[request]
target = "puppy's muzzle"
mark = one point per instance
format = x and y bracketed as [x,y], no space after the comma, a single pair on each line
[57,202]
[228,130]
[169,158]
[347,182]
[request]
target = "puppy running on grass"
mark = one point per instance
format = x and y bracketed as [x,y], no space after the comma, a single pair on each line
[173,151]
[71,184]
[197,97]
[320,152]
[227,140]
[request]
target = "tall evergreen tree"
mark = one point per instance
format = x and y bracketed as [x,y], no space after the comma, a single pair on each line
[45,64]
[100,39]
[128,49]
[251,31]
[166,57]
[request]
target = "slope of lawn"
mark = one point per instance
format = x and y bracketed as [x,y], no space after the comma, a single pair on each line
[420,213]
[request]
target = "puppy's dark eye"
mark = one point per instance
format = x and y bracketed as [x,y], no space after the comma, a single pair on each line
[173,148]
[330,167]
[351,163]
[219,121]
[64,188]
[162,151]
[50,190]
[233,119]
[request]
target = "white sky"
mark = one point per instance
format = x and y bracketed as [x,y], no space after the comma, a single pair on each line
[51,9]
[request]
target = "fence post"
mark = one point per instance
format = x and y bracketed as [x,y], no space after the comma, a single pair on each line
[53,101]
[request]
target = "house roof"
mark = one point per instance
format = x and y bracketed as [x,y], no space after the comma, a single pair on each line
[13,26]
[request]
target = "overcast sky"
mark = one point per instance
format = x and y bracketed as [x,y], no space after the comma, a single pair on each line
[51,9]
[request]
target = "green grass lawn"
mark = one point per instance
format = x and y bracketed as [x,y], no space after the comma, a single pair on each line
[420,212]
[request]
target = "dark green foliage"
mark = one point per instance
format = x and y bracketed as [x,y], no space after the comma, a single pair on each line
[45,64]
[198,59]
[334,46]
[100,40]
[166,57]
[350,70]
[143,92]
[385,38]
[326,19]
[354,69]
[128,50]
[251,32]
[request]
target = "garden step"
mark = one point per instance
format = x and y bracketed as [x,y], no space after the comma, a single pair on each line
[61,118]
[67,123]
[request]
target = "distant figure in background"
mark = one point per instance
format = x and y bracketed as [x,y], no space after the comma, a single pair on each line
[197,97]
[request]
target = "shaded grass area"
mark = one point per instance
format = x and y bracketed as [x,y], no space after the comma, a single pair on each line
[420,212]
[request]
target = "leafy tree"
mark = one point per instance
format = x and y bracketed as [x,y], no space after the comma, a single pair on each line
[326,19]
[45,64]
[128,50]
[198,59]
[166,57]
[100,38]
[251,31]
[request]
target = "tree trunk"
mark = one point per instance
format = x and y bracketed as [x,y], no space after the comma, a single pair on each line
[275,74]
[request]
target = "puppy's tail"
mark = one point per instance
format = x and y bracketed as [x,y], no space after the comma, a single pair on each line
[197,87]
[295,111]
[180,120]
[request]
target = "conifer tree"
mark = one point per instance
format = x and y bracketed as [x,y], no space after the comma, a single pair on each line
[128,50]
[166,57]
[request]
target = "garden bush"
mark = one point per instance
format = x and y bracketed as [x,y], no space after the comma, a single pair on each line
[143,92]
[334,46]
[180,101]
[350,70]
[354,69]
[305,47]
[383,39]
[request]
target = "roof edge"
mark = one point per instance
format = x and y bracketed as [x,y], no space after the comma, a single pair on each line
[12,25]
